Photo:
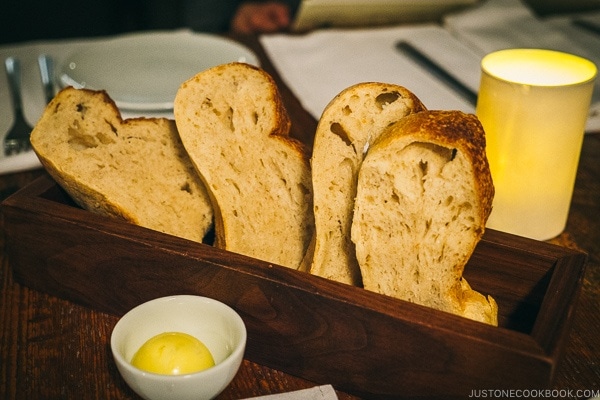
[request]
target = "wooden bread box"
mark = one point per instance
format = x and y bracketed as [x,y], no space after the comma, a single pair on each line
[329,333]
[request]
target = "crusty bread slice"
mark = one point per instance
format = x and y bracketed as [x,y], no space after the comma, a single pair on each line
[134,169]
[349,123]
[235,128]
[423,197]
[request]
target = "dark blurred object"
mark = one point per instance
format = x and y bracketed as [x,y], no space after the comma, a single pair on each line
[209,15]
[24,20]
[216,15]
[548,7]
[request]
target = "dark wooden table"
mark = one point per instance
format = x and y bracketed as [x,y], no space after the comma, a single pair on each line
[51,348]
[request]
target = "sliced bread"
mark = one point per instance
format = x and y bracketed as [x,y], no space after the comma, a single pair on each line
[350,122]
[235,128]
[135,169]
[424,194]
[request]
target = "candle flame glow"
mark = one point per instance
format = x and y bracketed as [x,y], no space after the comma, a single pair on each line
[539,67]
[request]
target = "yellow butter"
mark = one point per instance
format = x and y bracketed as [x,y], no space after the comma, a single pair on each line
[173,353]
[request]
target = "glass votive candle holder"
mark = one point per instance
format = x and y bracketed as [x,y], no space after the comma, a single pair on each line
[533,105]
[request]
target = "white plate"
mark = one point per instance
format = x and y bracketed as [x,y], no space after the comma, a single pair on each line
[144,71]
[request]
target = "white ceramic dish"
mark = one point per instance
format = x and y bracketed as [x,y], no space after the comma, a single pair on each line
[215,324]
[143,71]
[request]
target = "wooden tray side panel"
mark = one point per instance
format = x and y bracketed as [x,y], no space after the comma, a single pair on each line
[550,332]
[291,328]
[517,283]
[304,325]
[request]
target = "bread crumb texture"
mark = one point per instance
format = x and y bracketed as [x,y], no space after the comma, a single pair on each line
[235,128]
[423,196]
[350,122]
[396,201]
[135,169]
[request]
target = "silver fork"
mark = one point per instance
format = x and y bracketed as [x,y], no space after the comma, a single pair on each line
[17,139]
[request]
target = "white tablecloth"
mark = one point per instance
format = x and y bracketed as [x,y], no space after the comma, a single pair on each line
[318,65]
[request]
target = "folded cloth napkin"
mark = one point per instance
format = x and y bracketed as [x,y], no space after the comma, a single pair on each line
[501,24]
[325,392]
[319,65]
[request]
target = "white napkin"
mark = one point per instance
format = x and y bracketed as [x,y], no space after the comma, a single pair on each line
[325,392]
[317,66]
[502,24]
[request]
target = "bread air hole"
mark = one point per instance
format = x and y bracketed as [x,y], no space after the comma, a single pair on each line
[81,108]
[423,167]
[444,152]
[338,130]
[104,138]
[80,143]
[186,187]
[416,274]
[79,140]
[422,163]
[386,98]
[229,119]
[232,183]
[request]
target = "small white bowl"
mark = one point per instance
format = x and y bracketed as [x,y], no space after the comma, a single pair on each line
[215,324]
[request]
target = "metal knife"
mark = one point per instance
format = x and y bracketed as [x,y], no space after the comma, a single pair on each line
[436,70]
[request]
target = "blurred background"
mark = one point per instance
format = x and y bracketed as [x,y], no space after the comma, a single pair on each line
[24,20]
